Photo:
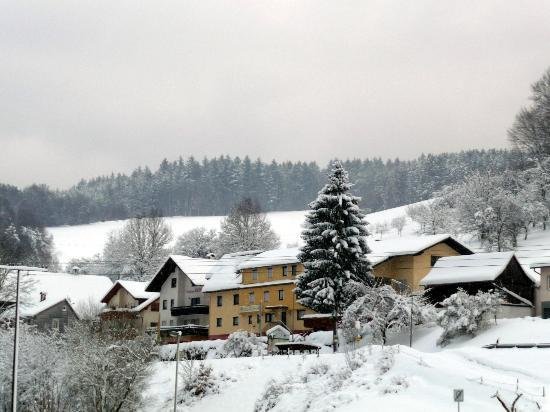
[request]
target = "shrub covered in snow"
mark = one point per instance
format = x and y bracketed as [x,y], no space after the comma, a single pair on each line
[382,309]
[465,314]
[204,349]
[198,381]
[242,344]
[87,369]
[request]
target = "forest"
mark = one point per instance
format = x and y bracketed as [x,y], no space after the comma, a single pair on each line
[190,187]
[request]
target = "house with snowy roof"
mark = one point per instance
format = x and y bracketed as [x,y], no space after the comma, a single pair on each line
[55,300]
[128,301]
[184,306]
[499,271]
[259,294]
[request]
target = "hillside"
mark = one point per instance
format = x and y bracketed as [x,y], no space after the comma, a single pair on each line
[392,378]
[88,240]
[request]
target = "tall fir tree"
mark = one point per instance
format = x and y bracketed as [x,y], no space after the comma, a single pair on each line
[334,253]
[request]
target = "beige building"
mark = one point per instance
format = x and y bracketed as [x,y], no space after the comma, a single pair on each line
[128,300]
[259,293]
[542,293]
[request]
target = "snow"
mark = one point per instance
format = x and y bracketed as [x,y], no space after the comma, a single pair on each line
[136,289]
[77,289]
[389,378]
[271,258]
[81,241]
[478,267]
[195,268]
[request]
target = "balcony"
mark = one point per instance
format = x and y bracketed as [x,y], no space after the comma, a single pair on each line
[250,308]
[189,310]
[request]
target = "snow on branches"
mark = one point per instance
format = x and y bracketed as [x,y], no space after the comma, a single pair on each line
[465,314]
[335,246]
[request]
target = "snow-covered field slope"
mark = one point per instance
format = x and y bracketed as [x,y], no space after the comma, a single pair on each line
[88,240]
[418,379]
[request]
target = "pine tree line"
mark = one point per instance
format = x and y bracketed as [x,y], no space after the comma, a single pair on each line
[212,186]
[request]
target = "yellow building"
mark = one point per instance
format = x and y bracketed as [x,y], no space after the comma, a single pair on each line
[259,293]
[128,300]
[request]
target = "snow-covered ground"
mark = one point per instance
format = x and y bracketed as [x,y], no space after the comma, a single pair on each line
[418,379]
[88,240]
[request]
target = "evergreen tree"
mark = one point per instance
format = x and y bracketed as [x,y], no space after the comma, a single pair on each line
[335,247]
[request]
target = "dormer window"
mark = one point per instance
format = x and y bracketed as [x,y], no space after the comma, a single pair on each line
[42,296]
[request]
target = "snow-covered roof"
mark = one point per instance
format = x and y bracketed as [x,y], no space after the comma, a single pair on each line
[146,303]
[224,276]
[134,288]
[77,289]
[271,258]
[196,269]
[408,245]
[479,267]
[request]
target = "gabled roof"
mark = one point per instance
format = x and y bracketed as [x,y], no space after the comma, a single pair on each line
[382,250]
[136,289]
[271,257]
[196,269]
[77,289]
[479,267]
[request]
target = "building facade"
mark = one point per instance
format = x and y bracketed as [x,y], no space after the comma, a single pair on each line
[265,298]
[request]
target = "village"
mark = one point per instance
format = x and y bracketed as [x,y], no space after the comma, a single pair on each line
[275,206]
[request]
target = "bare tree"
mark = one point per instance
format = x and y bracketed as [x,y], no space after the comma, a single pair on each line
[197,242]
[398,223]
[139,248]
[247,228]
[531,130]
[381,228]
[8,289]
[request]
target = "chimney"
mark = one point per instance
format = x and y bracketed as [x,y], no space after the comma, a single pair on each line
[42,296]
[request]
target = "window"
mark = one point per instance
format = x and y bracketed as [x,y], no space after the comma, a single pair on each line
[300,314]
[281,294]
[283,317]
[269,317]
[269,273]
[294,270]
[164,304]
[285,270]
[236,299]
[235,321]
[434,259]
[163,323]
[266,296]
[171,303]
[64,308]
[55,324]
[154,324]
[548,281]
[171,322]
[195,301]
[251,298]
[255,274]
[219,322]
[174,280]
[219,300]
[250,319]
[154,307]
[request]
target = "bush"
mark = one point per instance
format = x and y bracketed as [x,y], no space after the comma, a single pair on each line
[465,314]
[242,344]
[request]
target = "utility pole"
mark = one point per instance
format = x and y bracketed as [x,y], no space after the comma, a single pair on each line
[18,270]
[411,323]
[15,347]
[177,365]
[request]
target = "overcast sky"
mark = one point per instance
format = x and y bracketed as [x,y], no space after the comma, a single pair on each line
[87,88]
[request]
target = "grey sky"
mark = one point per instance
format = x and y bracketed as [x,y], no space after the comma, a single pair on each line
[87,88]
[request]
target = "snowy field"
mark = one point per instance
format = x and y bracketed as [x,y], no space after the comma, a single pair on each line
[88,240]
[389,379]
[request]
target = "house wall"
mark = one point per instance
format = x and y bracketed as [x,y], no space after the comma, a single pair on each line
[181,294]
[149,318]
[514,311]
[228,310]
[543,293]
[412,268]
[122,299]
[61,311]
